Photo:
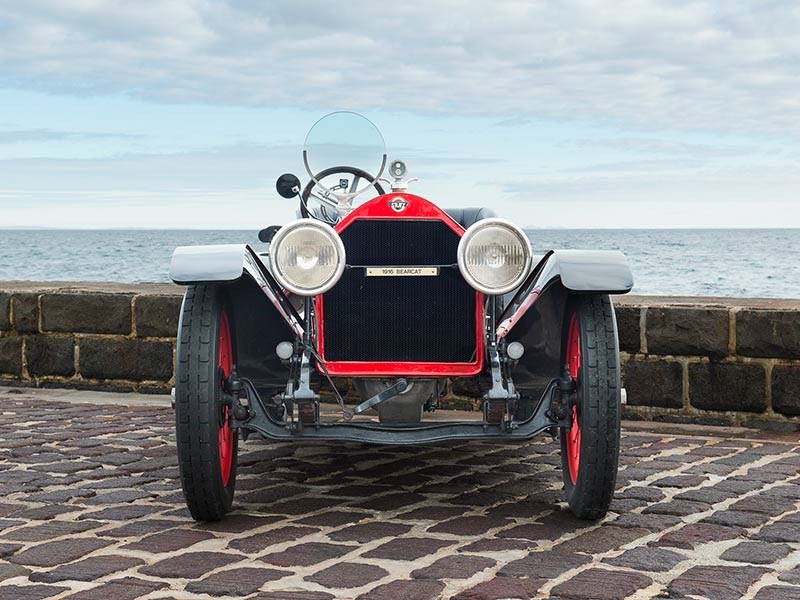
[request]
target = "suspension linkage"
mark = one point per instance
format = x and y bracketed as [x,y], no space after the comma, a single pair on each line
[563,396]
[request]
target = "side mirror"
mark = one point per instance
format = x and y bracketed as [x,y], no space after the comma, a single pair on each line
[266,235]
[288,185]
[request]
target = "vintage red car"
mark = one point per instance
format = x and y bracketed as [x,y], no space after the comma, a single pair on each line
[399,295]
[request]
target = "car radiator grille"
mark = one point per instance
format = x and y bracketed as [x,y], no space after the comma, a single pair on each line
[400,318]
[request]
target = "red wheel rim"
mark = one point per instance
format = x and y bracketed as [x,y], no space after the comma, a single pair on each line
[574,364]
[225,366]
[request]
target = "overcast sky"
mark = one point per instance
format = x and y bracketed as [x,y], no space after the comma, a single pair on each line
[182,113]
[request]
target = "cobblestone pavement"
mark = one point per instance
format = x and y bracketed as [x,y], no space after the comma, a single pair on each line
[91,509]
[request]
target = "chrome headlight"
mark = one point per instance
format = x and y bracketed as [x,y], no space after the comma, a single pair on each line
[494,256]
[307,257]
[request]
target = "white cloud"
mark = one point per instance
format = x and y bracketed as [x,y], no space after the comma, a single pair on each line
[644,112]
[697,65]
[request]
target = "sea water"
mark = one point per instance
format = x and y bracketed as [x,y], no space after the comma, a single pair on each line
[688,262]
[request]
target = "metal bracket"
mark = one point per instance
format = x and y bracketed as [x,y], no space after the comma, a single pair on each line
[400,386]
[501,389]
[500,401]
[563,395]
[303,397]
[495,412]
[308,412]
[304,391]
[298,388]
[502,386]
[299,394]
[248,406]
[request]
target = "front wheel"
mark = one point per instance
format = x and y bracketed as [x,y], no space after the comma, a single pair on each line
[207,445]
[590,447]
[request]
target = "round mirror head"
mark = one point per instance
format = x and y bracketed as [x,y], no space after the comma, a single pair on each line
[345,139]
[288,185]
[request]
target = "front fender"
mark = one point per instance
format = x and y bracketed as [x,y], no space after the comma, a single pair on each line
[578,271]
[594,271]
[228,263]
[222,263]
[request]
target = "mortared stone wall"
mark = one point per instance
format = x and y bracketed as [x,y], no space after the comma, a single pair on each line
[716,361]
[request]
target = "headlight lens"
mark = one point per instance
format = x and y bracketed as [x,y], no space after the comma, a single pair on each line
[494,256]
[307,257]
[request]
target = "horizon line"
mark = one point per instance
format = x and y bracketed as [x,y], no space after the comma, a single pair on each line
[535,228]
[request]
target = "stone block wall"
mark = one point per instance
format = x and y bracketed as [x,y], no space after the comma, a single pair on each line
[721,361]
[110,337]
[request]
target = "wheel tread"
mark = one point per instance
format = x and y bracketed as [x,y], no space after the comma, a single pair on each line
[198,462]
[591,496]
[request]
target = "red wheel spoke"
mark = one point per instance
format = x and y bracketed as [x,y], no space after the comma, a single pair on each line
[224,354]
[574,347]
[225,364]
[574,363]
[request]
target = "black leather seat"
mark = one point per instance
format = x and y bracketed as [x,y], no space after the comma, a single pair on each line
[469,216]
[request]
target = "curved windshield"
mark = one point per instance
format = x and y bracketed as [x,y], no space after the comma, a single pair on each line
[344,138]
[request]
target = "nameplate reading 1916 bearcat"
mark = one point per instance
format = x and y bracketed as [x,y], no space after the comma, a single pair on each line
[402,271]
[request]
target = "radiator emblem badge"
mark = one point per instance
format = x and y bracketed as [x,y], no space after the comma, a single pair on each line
[402,271]
[398,204]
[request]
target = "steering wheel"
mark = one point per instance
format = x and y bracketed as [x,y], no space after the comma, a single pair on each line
[325,199]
